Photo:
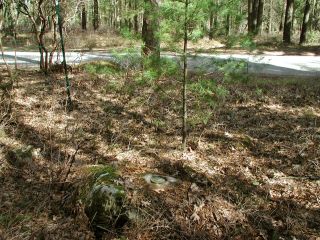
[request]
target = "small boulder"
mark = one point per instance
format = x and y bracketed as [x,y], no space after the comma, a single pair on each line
[21,157]
[104,204]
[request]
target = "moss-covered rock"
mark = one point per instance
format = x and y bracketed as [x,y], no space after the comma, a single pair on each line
[20,157]
[104,198]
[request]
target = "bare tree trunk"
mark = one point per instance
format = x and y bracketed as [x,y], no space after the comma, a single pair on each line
[3,58]
[135,18]
[250,13]
[96,20]
[259,16]
[185,76]
[270,20]
[288,22]
[305,23]
[211,24]
[150,31]
[83,17]
[1,47]
[255,16]
[255,10]
[282,15]
[228,24]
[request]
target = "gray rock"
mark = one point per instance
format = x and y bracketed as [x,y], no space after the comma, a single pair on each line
[159,182]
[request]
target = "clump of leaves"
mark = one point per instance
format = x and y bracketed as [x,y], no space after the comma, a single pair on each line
[208,91]
[248,43]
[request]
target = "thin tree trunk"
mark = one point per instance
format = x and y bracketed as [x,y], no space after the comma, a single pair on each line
[135,18]
[305,23]
[270,20]
[250,22]
[60,21]
[228,24]
[211,24]
[3,58]
[282,16]
[185,76]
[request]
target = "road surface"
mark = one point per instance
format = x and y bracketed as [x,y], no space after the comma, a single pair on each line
[300,66]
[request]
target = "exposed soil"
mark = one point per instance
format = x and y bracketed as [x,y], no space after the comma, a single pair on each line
[251,172]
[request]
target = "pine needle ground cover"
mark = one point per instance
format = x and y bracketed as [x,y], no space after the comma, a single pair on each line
[251,170]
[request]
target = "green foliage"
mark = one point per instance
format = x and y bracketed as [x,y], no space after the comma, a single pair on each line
[313,37]
[128,58]
[102,67]
[207,95]
[172,26]
[169,67]
[244,41]
[113,85]
[106,171]
[128,34]
[248,43]
[234,70]
[208,92]
[9,220]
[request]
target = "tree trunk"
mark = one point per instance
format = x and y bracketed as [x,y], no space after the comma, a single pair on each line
[211,24]
[228,24]
[68,86]
[255,16]
[135,18]
[282,15]
[259,16]
[270,20]
[83,17]
[95,14]
[250,13]
[305,23]
[1,48]
[255,9]
[185,76]
[288,22]
[150,31]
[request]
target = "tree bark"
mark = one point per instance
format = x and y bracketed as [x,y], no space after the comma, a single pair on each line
[83,17]
[270,20]
[135,18]
[255,16]
[211,24]
[255,8]
[228,24]
[185,76]
[288,22]
[1,48]
[250,12]
[96,15]
[150,31]
[305,23]
[259,16]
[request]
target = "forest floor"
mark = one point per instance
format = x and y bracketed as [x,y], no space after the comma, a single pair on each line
[251,170]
